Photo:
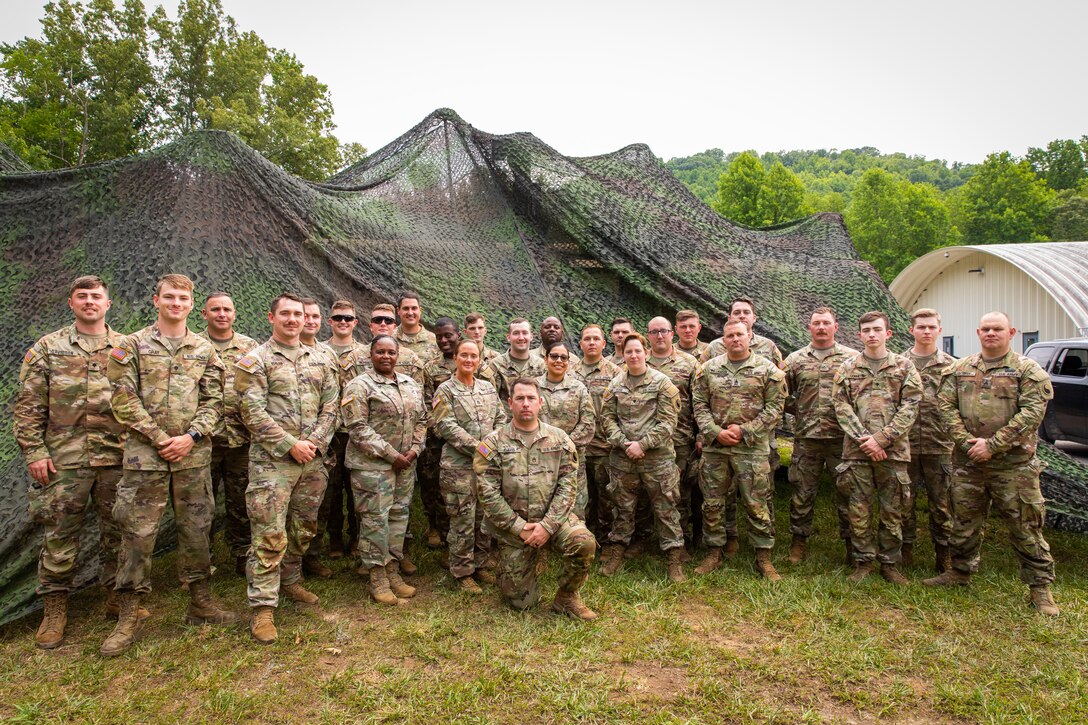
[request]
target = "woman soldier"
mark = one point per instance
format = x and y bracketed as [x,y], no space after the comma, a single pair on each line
[387,423]
[567,405]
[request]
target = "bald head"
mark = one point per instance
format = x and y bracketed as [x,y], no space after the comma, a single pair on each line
[551,331]
[659,330]
[995,333]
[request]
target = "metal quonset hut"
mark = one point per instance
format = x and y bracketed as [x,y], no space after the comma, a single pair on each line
[1043,287]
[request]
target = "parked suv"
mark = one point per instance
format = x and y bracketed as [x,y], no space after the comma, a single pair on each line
[1067,363]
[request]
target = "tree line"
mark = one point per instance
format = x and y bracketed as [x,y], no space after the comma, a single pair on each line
[899,207]
[104,81]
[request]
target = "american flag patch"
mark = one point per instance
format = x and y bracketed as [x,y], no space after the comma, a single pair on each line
[348,400]
[485,450]
[29,357]
[119,354]
[247,363]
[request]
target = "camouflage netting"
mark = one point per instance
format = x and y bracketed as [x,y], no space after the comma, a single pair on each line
[503,225]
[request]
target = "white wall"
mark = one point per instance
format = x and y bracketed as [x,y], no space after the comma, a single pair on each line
[962,297]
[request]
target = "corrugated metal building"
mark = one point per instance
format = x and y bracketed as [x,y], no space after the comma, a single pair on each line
[1043,287]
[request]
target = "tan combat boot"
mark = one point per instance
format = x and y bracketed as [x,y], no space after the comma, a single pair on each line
[570,604]
[434,539]
[407,566]
[798,550]
[203,609]
[732,546]
[949,578]
[612,559]
[312,566]
[262,627]
[128,626]
[298,593]
[468,585]
[942,558]
[676,566]
[710,562]
[906,555]
[1043,601]
[113,606]
[51,631]
[486,576]
[401,588]
[764,566]
[892,575]
[379,587]
[862,569]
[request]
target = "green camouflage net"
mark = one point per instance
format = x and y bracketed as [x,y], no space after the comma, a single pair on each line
[502,225]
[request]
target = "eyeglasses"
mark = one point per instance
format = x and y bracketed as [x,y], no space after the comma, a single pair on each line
[343,318]
[553,356]
[659,332]
[381,320]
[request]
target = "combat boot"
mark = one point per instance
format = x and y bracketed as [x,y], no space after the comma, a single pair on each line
[487,576]
[798,550]
[764,566]
[862,569]
[204,610]
[51,631]
[398,586]
[1043,601]
[379,587]
[312,566]
[262,627]
[942,559]
[635,549]
[468,585]
[892,575]
[732,545]
[570,604]
[299,594]
[906,555]
[949,578]
[434,539]
[407,566]
[128,625]
[710,562]
[676,566]
[612,559]
[113,606]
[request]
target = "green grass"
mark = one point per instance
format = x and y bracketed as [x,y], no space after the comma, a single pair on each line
[726,647]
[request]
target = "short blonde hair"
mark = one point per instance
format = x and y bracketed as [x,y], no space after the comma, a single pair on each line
[178,281]
[925,312]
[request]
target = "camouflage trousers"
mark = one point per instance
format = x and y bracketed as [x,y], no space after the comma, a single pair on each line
[283,499]
[338,496]
[660,481]
[60,508]
[521,566]
[382,498]
[430,491]
[141,500]
[230,477]
[811,456]
[930,470]
[743,476]
[468,544]
[774,462]
[1014,492]
[684,459]
[599,509]
[868,485]
[581,499]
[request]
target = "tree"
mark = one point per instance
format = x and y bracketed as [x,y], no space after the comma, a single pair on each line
[1062,164]
[782,195]
[739,190]
[1070,219]
[1004,203]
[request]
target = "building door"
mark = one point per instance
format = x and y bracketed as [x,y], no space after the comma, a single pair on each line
[949,345]
[1030,338]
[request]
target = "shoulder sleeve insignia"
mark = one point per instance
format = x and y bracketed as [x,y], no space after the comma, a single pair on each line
[30,356]
[348,400]
[247,362]
[485,450]
[120,354]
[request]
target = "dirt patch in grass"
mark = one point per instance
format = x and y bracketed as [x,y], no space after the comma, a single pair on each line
[740,638]
[644,680]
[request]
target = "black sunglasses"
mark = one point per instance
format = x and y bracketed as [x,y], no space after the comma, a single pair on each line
[343,318]
[383,320]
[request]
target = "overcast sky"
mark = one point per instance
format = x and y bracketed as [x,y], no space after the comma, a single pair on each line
[952,80]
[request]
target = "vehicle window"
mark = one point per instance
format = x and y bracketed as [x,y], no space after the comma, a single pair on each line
[1074,363]
[1041,355]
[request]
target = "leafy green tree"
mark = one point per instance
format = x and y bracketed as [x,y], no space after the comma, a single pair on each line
[1004,203]
[1062,164]
[1070,222]
[739,190]
[781,196]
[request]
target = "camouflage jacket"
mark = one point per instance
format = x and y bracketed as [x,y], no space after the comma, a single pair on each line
[159,394]
[567,406]
[752,396]
[1004,404]
[385,418]
[408,363]
[596,378]
[929,435]
[436,371]
[525,478]
[345,369]
[883,405]
[810,381]
[502,373]
[759,345]
[423,343]
[680,367]
[644,412]
[462,416]
[285,401]
[231,432]
[62,411]
[696,351]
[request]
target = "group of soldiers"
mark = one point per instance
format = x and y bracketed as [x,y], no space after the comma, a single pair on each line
[515,453]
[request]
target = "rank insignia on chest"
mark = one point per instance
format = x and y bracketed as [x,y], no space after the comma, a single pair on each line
[346,362]
[119,354]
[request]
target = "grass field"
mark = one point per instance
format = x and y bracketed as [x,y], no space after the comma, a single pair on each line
[723,648]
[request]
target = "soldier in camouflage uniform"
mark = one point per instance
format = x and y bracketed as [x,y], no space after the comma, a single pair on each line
[930,446]
[817,442]
[436,371]
[465,410]
[565,404]
[526,480]
[387,421]
[72,446]
[688,327]
[475,327]
[551,332]
[737,398]
[289,401]
[515,363]
[411,333]
[876,397]
[620,328]
[992,404]
[230,441]
[596,372]
[167,390]
[640,409]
